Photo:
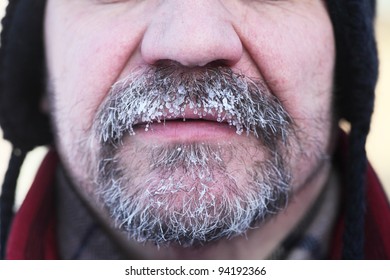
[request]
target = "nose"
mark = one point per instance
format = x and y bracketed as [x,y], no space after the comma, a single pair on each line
[191,33]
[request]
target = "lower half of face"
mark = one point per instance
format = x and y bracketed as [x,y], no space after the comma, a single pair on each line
[190,154]
[191,159]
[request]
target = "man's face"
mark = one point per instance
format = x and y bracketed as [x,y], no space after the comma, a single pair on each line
[191,121]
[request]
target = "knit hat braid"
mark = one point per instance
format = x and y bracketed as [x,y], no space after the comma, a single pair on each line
[356,77]
[25,126]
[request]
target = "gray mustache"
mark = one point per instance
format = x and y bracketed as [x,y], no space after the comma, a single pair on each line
[165,92]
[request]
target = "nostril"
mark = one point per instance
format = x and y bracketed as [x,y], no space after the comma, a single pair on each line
[171,64]
[175,64]
[219,63]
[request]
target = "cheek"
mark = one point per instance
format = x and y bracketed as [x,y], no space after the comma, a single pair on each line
[296,59]
[85,56]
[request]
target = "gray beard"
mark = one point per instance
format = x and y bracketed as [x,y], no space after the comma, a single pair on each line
[185,193]
[189,197]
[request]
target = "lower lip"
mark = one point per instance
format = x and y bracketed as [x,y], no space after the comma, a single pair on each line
[186,131]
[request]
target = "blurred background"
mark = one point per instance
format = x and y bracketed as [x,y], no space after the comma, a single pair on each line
[378,146]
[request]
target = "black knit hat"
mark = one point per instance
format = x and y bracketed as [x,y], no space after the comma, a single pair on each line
[22,70]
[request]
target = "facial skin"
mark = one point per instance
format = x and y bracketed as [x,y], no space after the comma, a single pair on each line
[286,46]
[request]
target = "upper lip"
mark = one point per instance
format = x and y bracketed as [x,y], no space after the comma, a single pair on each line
[188,114]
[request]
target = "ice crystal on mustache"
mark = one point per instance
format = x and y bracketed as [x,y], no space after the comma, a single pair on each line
[164,93]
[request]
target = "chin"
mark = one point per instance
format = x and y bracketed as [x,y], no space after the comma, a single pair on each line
[191,194]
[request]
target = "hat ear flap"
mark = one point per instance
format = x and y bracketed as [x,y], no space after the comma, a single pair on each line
[22,81]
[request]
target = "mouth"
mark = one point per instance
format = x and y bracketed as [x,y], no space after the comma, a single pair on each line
[189,127]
